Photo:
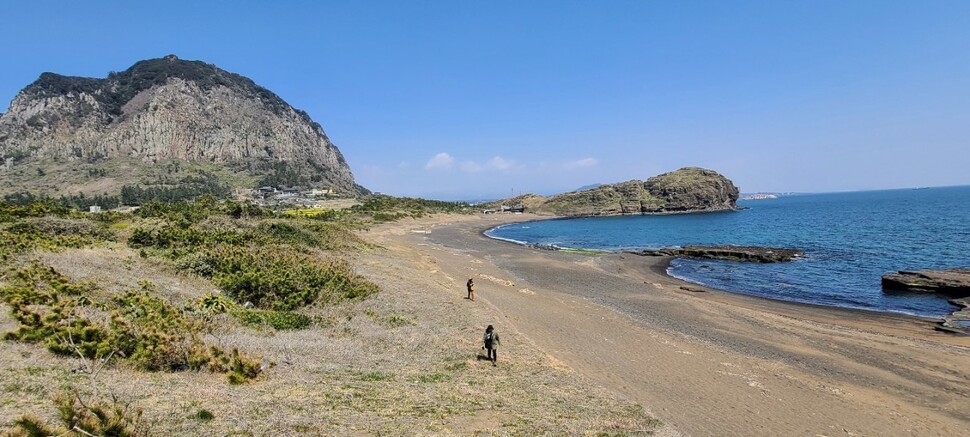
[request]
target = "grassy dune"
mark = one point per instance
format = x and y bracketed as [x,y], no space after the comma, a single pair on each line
[386,348]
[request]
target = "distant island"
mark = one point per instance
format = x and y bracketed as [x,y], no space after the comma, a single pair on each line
[758,196]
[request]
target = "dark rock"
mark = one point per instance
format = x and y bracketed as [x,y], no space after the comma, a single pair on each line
[730,253]
[951,282]
[959,321]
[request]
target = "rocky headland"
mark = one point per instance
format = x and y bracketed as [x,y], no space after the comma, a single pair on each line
[689,189]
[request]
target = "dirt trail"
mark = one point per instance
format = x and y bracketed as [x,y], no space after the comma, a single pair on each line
[713,363]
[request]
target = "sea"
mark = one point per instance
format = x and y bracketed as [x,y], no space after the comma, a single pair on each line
[850,240]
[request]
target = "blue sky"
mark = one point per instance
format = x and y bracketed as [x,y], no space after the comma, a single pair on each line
[468,100]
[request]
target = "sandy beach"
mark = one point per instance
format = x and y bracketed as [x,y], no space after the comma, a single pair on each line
[705,362]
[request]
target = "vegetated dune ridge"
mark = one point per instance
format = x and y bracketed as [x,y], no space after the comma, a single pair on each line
[713,363]
[404,361]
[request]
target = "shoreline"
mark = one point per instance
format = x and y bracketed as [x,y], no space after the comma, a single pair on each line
[663,265]
[787,368]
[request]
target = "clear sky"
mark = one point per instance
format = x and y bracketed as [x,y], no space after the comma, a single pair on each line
[481,99]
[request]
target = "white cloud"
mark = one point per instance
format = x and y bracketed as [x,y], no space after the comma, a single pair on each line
[497,163]
[441,160]
[579,163]
[500,163]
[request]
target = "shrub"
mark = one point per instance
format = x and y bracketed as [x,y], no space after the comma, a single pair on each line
[28,230]
[279,320]
[197,263]
[275,278]
[273,265]
[203,415]
[146,331]
[212,303]
[91,418]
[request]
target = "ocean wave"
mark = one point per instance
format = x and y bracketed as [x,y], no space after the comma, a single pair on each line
[510,240]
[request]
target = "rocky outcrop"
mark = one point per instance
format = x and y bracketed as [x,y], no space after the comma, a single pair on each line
[690,189]
[170,109]
[950,282]
[730,253]
[959,321]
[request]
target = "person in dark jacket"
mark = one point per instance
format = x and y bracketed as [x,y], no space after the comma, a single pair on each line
[471,289]
[491,343]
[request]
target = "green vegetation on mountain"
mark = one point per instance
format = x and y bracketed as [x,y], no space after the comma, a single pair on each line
[120,87]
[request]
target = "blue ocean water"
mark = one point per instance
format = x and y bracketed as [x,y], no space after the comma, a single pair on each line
[849,239]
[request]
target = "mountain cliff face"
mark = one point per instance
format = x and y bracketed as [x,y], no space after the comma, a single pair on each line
[171,110]
[690,189]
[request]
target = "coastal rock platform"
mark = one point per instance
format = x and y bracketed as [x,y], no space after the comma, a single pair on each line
[959,321]
[950,282]
[730,253]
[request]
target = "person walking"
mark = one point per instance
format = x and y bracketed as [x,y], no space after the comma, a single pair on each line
[491,343]
[471,289]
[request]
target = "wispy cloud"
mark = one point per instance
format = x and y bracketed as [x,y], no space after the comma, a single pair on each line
[440,161]
[580,163]
[500,163]
[497,163]
[471,167]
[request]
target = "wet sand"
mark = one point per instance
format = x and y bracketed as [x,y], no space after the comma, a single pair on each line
[710,362]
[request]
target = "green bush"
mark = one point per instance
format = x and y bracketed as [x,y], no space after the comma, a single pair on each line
[252,266]
[146,331]
[276,278]
[278,320]
[197,263]
[31,228]
[203,415]
[79,418]
[212,303]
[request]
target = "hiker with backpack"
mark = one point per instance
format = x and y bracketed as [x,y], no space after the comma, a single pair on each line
[491,343]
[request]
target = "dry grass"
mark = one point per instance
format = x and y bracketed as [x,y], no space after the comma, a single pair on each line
[118,268]
[405,362]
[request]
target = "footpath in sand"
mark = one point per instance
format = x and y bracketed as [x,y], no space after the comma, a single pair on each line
[710,363]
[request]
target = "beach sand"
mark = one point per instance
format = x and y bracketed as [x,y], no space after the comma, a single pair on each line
[704,362]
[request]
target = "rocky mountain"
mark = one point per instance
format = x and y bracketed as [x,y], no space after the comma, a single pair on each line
[161,112]
[690,189]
